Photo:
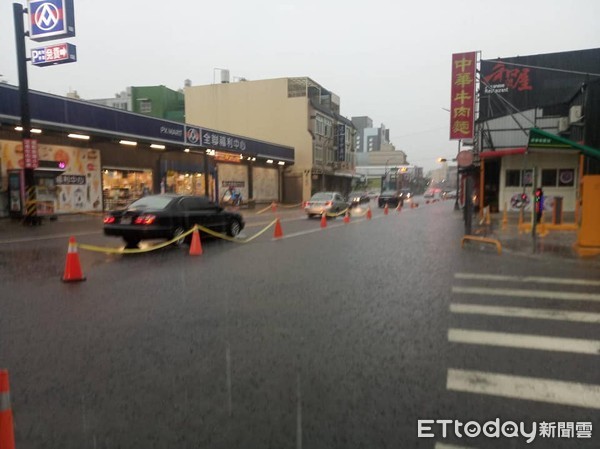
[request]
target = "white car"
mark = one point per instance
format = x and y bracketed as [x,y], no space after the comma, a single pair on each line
[325,202]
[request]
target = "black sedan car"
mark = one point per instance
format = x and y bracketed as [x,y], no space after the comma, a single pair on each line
[168,216]
[356,198]
[392,198]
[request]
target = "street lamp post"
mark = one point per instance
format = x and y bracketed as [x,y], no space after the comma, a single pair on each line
[456,207]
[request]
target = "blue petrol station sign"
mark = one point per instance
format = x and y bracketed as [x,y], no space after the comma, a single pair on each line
[51,19]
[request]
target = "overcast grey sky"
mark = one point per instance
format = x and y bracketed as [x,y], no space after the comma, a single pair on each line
[387,59]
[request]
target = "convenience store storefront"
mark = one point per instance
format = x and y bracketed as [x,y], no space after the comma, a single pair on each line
[124,156]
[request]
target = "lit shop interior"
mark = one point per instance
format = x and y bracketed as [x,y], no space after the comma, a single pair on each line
[186,183]
[121,187]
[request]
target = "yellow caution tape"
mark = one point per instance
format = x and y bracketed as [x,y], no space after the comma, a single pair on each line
[264,210]
[109,250]
[338,214]
[236,240]
[283,206]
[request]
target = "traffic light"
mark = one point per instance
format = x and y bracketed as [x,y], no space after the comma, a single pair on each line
[539,203]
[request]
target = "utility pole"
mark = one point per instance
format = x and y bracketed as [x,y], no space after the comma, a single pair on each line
[30,193]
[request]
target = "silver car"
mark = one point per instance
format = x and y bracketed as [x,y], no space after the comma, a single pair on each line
[328,202]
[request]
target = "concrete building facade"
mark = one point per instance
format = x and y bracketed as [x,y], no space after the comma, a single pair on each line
[295,112]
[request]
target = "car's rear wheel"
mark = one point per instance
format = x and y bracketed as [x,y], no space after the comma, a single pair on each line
[234,228]
[179,231]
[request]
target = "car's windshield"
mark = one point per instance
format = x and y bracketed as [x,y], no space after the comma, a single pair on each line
[150,202]
[389,192]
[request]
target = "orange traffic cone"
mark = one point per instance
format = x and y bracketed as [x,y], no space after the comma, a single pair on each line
[73,271]
[273,207]
[196,246]
[399,207]
[7,435]
[386,209]
[324,220]
[347,217]
[278,233]
[369,214]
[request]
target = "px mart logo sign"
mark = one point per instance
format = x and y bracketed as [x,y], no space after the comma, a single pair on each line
[192,135]
[51,19]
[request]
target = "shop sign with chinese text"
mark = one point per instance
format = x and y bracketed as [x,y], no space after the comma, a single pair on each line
[226,157]
[462,102]
[222,141]
[53,54]
[30,153]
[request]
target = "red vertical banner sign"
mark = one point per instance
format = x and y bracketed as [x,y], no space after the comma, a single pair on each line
[462,102]
[30,153]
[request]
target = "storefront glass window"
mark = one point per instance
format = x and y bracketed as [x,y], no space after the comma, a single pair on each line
[185,183]
[122,187]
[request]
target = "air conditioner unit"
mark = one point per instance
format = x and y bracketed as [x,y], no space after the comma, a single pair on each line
[563,124]
[575,114]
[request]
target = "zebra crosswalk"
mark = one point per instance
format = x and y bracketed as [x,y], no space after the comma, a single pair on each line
[489,302]
[518,319]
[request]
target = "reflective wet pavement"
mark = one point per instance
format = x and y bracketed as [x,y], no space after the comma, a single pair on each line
[335,337]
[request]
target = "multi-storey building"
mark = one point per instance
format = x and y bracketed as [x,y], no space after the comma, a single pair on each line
[296,112]
[154,101]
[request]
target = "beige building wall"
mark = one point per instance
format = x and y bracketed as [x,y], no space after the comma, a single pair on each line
[257,109]
[391,157]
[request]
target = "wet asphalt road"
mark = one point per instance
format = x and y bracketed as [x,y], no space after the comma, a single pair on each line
[334,338]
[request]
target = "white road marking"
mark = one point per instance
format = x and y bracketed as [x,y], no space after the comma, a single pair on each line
[527,388]
[309,231]
[545,294]
[319,229]
[524,312]
[524,341]
[527,279]
[264,223]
